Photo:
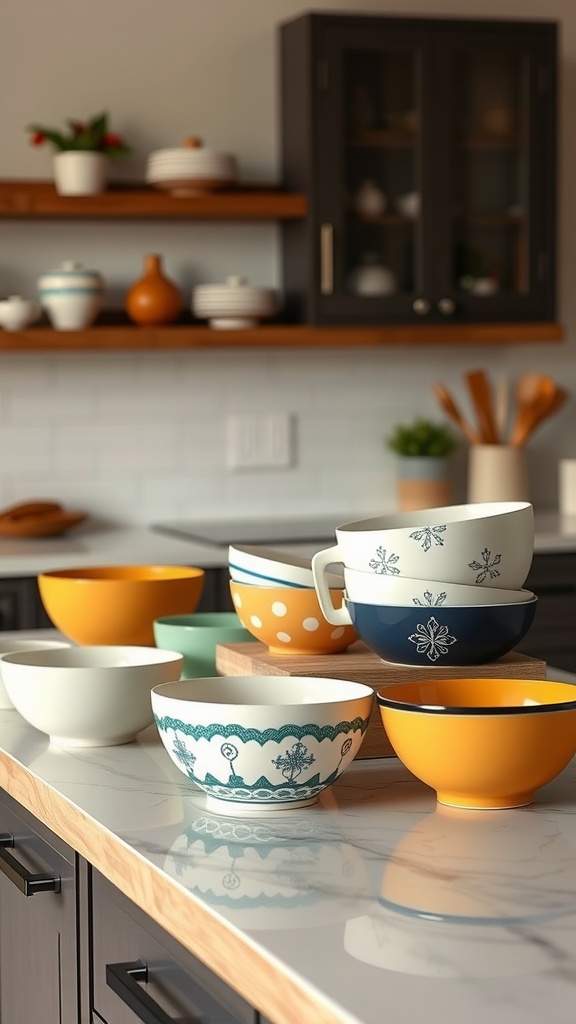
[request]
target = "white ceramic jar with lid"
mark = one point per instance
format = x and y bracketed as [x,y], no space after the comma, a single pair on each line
[72,295]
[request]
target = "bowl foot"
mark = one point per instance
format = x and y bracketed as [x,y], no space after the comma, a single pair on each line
[473,802]
[71,741]
[234,808]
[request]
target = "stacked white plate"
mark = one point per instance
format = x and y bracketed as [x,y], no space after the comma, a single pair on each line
[190,169]
[234,305]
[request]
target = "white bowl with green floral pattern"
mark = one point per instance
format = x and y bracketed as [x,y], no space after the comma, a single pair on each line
[254,743]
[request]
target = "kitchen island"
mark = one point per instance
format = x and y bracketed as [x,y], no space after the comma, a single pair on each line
[374,904]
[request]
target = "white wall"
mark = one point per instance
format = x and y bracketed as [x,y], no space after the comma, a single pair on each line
[142,435]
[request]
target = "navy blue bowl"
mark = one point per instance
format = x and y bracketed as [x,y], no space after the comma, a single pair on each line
[438,636]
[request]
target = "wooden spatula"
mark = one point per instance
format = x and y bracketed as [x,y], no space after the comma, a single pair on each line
[481,394]
[451,409]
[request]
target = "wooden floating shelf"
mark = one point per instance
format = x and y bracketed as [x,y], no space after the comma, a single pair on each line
[296,336]
[39,199]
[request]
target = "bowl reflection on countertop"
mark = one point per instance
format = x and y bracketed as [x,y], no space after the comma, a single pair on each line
[268,874]
[437,949]
[467,894]
[474,866]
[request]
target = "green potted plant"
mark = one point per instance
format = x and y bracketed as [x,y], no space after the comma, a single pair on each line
[422,450]
[81,153]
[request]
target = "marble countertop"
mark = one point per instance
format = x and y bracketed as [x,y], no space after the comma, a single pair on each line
[95,543]
[374,904]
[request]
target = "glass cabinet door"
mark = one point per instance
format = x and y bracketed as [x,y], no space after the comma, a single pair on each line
[371,118]
[494,248]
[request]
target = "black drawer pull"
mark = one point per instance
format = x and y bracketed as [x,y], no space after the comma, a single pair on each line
[123,980]
[24,880]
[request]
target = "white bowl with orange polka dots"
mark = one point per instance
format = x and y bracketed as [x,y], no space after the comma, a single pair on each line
[290,620]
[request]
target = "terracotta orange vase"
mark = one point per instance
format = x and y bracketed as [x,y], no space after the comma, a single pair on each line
[153,298]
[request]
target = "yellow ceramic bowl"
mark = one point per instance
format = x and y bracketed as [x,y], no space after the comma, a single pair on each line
[482,743]
[118,604]
[289,620]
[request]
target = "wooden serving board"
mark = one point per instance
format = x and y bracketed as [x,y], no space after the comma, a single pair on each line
[360,664]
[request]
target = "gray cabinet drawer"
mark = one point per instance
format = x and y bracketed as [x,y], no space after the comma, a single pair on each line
[177,984]
[38,936]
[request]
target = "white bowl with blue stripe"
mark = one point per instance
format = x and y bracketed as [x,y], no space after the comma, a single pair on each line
[265,567]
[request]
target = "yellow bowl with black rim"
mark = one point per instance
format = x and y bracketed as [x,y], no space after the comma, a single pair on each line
[481,743]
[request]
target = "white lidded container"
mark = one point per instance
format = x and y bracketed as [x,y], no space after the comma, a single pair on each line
[234,305]
[72,295]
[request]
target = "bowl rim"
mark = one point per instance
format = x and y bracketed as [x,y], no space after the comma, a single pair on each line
[113,573]
[209,685]
[468,711]
[417,608]
[452,514]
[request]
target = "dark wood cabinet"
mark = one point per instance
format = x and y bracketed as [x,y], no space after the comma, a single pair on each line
[552,636]
[141,974]
[38,926]
[427,152]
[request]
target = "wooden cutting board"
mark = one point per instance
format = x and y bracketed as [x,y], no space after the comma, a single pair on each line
[363,666]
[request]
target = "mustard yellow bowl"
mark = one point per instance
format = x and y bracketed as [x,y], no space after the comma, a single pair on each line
[482,743]
[289,620]
[118,604]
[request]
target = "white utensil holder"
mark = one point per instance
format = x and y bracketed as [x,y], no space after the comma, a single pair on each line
[567,487]
[497,472]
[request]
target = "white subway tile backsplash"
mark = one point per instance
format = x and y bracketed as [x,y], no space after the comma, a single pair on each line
[141,436]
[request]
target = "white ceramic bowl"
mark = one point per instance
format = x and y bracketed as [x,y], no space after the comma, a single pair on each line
[256,743]
[17,313]
[234,304]
[88,696]
[15,647]
[483,544]
[268,568]
[376,588]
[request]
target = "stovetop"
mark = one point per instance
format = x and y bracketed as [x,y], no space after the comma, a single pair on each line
[257,531]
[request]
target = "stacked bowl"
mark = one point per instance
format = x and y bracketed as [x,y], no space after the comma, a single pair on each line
[435,587]
[276,601]
[234,305]
[190,169]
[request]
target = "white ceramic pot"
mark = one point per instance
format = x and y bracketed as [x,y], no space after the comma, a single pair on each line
[72,295]
[79,173]
[369,200]
[234,305]
[372,278]
[17,313]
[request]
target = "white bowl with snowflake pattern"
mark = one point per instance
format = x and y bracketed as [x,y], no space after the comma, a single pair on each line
[377,588]
[482,544]
[254,743]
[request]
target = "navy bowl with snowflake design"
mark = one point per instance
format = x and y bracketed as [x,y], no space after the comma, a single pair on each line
[438,636]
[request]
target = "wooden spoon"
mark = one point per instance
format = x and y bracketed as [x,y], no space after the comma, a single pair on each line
[451,409]
[544,405]
[481,394]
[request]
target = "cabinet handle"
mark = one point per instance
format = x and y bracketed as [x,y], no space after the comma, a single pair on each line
[326,259]
[421,306]
[446,307]
[123,980]
[27,882]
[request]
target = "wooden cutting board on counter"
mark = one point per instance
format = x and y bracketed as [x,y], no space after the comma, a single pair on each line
[363,666]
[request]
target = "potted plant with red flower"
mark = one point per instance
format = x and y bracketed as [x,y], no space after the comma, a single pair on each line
[81,153]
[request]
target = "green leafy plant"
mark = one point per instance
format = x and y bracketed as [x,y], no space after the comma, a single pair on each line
[422,437]
[82,136]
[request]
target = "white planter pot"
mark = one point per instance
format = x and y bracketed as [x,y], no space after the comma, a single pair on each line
[71,295]
[80,173]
